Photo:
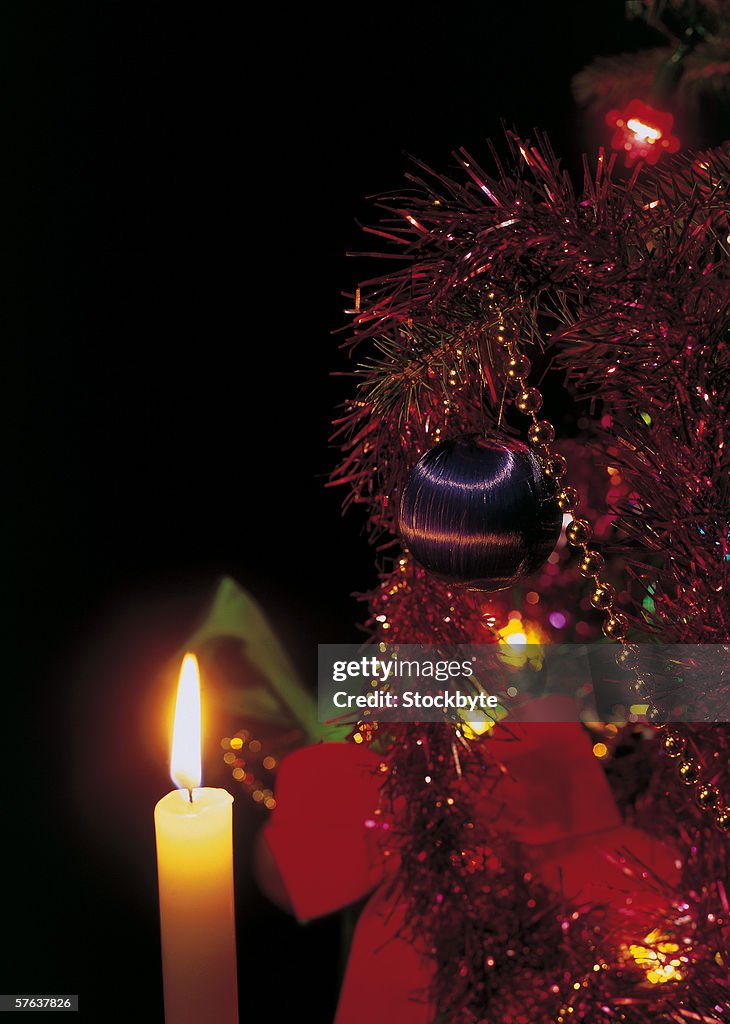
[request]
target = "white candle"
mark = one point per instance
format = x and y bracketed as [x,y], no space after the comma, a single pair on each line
[193,828]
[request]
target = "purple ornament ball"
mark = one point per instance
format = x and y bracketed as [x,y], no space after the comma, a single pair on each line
[480,513]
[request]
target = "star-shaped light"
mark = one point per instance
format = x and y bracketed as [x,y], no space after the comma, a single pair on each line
[641,132]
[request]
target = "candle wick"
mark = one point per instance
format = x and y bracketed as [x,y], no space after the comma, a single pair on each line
[190,794]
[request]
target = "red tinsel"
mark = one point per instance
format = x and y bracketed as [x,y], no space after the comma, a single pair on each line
[502,884]
[624,288]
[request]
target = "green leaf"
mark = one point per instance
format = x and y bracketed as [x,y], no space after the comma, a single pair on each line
[283,701]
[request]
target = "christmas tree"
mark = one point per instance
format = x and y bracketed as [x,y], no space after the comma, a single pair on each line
[574,336]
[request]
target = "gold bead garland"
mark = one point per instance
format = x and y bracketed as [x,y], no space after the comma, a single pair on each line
[540,433]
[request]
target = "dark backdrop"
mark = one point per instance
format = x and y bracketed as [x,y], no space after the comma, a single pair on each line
[188,179]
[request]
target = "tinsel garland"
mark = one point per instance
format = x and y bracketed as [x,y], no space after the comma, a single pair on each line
[623,289]
[509,950]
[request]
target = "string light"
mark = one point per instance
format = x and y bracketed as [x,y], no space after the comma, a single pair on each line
[641,132]
[660,960]
[234,748]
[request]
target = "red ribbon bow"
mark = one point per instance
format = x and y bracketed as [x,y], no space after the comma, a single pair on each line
[553,797]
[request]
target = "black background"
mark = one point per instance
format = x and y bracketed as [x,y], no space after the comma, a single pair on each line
[188,178]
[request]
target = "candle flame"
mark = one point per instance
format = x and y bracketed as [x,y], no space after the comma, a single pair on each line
[185,768]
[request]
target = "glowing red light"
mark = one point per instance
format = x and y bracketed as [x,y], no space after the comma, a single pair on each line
[641,132]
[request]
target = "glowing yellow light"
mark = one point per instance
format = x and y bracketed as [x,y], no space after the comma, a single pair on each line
[600,749]
[475,727]
[643,132]
[185,768]
[658,959]
[521,641]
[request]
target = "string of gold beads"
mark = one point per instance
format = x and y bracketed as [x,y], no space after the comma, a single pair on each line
[591,565]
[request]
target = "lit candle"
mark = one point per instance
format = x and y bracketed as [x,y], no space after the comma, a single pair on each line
[193,828]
